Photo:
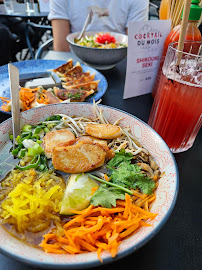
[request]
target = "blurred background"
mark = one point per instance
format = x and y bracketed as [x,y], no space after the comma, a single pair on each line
[23,31]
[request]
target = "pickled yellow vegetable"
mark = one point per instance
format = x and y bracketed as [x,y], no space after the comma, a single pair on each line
[33,200]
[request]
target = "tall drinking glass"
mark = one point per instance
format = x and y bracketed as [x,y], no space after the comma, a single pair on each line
[8,4]
[177,109]
[29,6]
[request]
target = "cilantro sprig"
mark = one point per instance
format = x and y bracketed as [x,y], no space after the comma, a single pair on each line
[110,184]
[120,157]
[124,176]
[129,176]
[107,196]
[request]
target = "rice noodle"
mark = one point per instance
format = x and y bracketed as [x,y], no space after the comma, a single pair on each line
[117,121]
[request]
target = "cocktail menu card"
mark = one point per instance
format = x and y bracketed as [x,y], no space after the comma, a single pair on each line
[145,45]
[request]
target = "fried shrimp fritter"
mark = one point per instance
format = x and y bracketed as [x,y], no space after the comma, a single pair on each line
[103,131]
[55,138]
[77,158]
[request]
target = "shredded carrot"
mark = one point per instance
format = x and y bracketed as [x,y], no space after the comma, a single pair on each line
[5,99]
[5,102]
[155,178]
[99,251]
[27,96]
[106,177]
[146,206]
[43,99]
[93,190]
[142,223]
[98,229]
[138,194]
[152,198]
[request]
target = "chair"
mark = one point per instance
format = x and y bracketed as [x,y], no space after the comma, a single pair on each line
[154,10]
[33,45]
[46,45]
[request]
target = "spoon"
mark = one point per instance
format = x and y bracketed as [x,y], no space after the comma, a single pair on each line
[15,101]
[88,20]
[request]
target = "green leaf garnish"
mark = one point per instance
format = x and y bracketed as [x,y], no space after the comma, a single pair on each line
[107,196]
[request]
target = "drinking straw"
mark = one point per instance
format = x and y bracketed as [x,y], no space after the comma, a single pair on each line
[183,29]
[172,8]
[169,8]
[177,12]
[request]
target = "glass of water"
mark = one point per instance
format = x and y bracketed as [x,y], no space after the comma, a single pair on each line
[29,6]
[8,4]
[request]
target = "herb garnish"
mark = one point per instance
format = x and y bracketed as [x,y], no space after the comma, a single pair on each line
[123,175]
[75,96]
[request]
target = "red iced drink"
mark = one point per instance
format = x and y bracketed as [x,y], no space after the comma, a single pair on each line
[177,110]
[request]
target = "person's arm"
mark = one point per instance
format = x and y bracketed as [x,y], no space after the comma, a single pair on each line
[61,28]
